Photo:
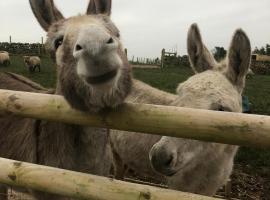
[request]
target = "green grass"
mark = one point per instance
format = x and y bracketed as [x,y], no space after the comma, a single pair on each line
[165,79]
[258,92]
[46,77]
[257,89]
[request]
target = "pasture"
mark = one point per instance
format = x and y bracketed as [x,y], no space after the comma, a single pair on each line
[250,162]
[46,78]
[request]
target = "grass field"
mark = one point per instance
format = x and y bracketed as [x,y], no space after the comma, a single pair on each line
[46,78]
[257,90]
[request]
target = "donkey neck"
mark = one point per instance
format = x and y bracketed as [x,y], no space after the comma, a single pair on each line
[80,148]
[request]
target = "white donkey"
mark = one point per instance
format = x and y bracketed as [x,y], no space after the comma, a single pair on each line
[189,165]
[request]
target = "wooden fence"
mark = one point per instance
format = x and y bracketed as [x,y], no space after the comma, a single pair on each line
[169,58]
[145,61]
[82,186]
[166,59]
[222,127]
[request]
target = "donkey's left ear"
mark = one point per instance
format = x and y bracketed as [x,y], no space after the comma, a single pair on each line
[99,7]
[239,58]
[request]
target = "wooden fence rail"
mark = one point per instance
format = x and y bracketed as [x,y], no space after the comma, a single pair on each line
[221,127]
[82,186]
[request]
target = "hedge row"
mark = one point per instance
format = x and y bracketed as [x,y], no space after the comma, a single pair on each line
[23,48]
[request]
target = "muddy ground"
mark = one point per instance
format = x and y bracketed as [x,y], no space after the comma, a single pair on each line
[251,184]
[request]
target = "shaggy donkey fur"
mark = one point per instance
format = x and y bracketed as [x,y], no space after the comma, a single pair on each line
[188,165]
[93,73]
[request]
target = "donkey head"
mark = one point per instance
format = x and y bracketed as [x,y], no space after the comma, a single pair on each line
[93,71]
[215,86]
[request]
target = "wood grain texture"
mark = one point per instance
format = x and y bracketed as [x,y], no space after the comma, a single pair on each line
[220,127]
[82,186]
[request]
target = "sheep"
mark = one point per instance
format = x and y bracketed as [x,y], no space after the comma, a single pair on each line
[92,74]
[32,62]
[4,58]
[250,73]
[187,165]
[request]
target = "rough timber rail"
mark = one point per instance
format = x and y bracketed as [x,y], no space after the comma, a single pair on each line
[220,127]
[82,186]
[231,128]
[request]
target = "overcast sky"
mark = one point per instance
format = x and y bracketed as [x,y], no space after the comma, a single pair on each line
[147,26]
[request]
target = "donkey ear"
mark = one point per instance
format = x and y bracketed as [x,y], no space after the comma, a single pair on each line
[99,7]
[45,12]
[239,58]
[199,56]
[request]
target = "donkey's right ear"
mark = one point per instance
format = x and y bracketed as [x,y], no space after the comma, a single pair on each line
[200,58]
[45,12]
[239,58]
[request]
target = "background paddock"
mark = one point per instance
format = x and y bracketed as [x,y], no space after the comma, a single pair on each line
[250,179]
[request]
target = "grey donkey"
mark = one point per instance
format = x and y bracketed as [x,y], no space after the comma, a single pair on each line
[188,165]
[92,74]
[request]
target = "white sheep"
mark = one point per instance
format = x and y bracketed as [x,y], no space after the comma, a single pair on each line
[32,62]
[4,58]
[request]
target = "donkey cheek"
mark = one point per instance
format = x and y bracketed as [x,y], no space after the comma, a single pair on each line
[59,56]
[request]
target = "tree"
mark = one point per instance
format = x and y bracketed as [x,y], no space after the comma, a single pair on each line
[256,51]
[262,51]
[219,53]
[267,49]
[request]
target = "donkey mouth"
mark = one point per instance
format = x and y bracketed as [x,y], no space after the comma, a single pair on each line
[170,173]
[95,80]
[167,172]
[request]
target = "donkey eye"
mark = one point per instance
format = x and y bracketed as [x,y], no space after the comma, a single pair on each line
[58,42]
[223,109]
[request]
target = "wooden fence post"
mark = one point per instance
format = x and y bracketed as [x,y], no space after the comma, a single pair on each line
[42,46]
[162,58]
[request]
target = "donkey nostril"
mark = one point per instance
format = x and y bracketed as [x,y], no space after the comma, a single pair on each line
[168,162]
[78,47]
[110,41]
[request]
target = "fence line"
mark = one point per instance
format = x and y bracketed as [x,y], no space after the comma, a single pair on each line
[221,127]
[145,61]
[82,186]
[169,58]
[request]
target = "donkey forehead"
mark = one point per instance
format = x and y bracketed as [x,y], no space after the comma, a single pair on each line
[208,80]
[207,88]
[84,20]
[73,24]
